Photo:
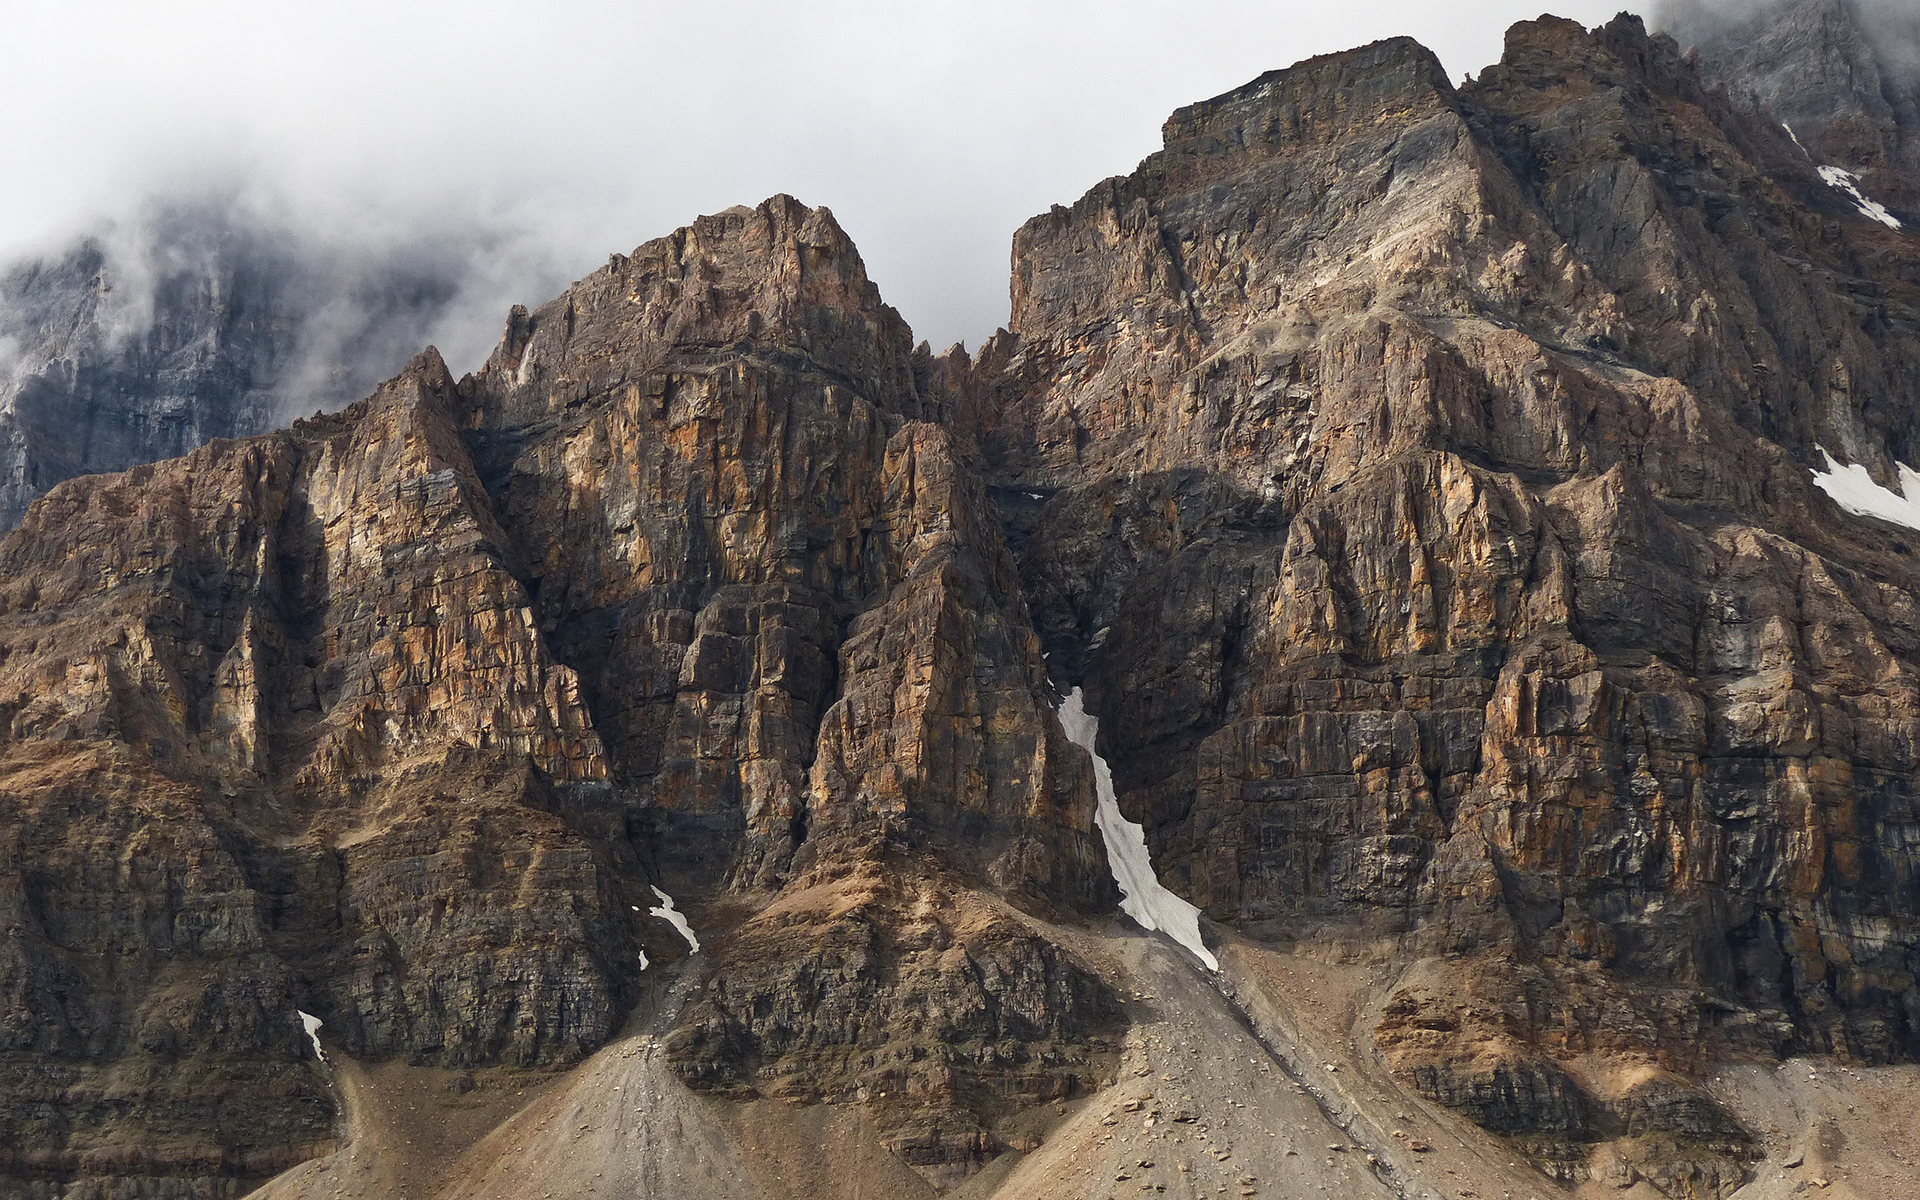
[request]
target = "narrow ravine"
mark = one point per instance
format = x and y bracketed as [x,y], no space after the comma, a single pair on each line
[1142,896]
[1154,907]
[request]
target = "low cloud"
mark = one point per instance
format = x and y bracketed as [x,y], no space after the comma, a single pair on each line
[1891,27]
[514,146]
[314,313]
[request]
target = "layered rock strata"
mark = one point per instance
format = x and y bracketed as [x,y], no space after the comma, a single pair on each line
[1418,482]
[1418,478]
[394,718]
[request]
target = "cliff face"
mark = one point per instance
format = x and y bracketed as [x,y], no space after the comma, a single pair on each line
[1419,482]
[752,625]
[1416,478]
[1844,75]
[282,737]
[808,657]
[190,324]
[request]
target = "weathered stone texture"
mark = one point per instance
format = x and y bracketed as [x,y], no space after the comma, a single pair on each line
[1413,477]
[676,591]
[1416,479]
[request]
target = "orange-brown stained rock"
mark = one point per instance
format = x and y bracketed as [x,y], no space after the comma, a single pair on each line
[1413,477]
[1419,499]
[676,591]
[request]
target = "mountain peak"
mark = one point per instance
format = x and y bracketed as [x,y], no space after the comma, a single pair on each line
[1319,97]
[781,277]
[1405,645]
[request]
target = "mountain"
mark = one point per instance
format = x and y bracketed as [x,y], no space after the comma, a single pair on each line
[1394,676]
[193,322]
[1843,75]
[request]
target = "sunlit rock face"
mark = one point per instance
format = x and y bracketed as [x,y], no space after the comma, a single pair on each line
[433,692]
[1421,479]
[1844,75]
[1453,515]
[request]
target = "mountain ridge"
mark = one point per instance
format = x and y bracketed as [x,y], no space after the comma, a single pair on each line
[1419,482]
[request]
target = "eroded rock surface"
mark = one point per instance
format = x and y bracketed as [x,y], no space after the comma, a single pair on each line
[1418,481]
[398,717]
[1416,476]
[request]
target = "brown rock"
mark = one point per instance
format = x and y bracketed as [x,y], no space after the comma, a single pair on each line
[1416,480]
[1417,497]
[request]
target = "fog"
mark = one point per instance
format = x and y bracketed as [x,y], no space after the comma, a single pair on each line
[1891,26]
[521,143]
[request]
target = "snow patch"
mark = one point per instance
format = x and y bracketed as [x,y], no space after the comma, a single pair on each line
[1854,490]
[644,961]
[673,916]
[312,1024]
[1142,897]
[1794,136]
[1849,183]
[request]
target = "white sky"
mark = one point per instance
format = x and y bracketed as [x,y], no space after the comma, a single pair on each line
[931,129]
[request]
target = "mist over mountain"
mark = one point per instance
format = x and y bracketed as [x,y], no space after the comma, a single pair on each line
[1393,675]
[1843,75]
[1890,27]
[250,216]
[932,131]
[207,316]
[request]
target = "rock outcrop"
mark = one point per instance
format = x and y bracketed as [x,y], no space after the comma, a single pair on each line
[1420,484]
[1843,75]
[1416,477]
[430,694]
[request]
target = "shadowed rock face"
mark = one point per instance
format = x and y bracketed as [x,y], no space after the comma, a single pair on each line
[1415,478]
[192,323]
[1844,74]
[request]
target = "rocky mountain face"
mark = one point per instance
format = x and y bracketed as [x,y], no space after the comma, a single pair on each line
[641,755]
[190,324]
[1415,477]
[676,591]
[1844,75]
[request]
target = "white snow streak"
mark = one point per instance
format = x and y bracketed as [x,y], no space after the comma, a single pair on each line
[311,1024]
[1854,490]
[644,962]
[1142,897]
[667,912]
[1849,183]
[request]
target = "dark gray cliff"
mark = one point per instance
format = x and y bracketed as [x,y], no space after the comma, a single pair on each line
[191,324]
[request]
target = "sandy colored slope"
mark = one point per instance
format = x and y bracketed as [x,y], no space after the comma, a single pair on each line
[1260,1081]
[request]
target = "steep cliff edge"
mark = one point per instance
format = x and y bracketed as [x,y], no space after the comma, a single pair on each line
[672,599]
[641,757]
[1421,481]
